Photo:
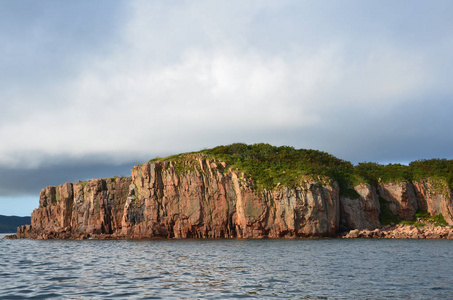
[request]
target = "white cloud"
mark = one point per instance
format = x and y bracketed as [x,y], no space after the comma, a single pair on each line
[182,73]
[113,109]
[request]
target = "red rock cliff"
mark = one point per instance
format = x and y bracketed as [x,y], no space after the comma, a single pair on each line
[201,198]
[197,199]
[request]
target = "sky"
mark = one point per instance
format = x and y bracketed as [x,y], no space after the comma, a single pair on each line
[90,88]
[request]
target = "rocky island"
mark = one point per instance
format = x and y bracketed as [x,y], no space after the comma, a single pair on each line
[252,191]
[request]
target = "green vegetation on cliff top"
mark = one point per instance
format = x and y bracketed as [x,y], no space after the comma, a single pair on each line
[269,166]
[441,169]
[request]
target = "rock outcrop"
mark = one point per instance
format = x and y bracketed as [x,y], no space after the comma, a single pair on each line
[405,198]
[400,197]
[78,209]
[362,212]
[203,198]
[435,197]
[403,232]
[193,199]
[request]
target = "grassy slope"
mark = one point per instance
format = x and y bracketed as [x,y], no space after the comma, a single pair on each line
[269,165]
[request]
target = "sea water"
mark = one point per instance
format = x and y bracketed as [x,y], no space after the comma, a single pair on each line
[226,269]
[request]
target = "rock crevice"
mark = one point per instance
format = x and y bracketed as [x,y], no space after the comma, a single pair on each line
[201,201]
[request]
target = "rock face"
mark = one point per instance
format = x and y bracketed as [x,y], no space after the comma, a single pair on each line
[401,198]
[201,198]
[431,195]
[362,212]
[72,210]
[434,196]
[184,200]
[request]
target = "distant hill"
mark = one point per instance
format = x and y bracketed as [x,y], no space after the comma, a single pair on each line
[9,224]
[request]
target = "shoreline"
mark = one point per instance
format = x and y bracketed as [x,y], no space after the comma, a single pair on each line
[401,231]
[398,231]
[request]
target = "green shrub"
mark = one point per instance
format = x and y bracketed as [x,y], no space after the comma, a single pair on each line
[387,216]
[268,166]
[374,172]
[439,220]
[438,168]
[423,217]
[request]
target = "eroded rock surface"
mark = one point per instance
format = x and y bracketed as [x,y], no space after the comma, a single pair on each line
[400,197]
[74,210]
[435,197]
[404,199]
[362,212]
[202,198]
[184,201]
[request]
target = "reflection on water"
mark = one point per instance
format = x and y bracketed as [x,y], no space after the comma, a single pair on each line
[219,269]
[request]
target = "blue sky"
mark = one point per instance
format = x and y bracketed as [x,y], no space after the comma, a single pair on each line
[90,88]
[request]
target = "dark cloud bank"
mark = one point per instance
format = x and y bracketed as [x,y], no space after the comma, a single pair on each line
[20,182]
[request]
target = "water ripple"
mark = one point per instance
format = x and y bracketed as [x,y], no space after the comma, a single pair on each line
[226,269]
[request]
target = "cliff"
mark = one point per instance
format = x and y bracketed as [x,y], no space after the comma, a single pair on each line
[203,202]
[212,195]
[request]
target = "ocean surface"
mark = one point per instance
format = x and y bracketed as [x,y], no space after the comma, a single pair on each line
[226,269]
